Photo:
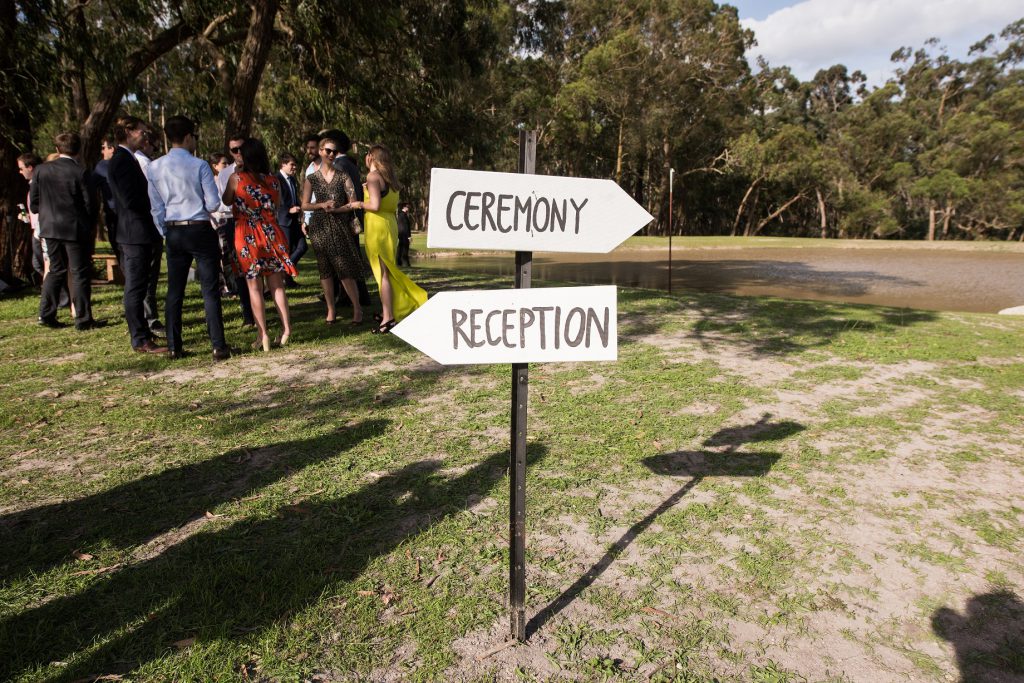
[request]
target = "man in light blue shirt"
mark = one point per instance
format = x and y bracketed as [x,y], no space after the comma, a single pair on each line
[184,195]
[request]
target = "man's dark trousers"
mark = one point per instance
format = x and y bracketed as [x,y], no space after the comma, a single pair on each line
[135,261]
[149,303]
[65,254]
[185,243]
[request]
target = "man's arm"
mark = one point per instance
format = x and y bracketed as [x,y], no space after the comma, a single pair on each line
[211,197]
[156,201]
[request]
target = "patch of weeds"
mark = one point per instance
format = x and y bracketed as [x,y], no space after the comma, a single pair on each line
[992,531]
[773,673]
[925,553]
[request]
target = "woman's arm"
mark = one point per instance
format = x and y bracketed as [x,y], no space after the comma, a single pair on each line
[374,184]
[229,190]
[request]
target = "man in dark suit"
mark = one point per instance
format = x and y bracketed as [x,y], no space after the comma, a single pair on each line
[136,234]
[289,212]
[64,197]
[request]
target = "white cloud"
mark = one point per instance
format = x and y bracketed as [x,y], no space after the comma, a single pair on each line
[862,34]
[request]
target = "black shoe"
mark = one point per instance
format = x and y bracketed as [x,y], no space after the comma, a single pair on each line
[221,354]
[90,325]
[157,329]
[176,355]
[52,323]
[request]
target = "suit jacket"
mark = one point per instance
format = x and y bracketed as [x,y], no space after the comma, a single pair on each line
[130,190]
[63,195]
[289,198]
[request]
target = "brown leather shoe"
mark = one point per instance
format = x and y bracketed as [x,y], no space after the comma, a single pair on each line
[149,347]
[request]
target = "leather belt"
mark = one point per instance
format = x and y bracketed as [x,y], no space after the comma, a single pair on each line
[187,224]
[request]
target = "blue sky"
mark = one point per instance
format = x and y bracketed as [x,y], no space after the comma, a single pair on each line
[808,35]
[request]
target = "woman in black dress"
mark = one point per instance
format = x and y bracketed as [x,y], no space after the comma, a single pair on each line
[333,229]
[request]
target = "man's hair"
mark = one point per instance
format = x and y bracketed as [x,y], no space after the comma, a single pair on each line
[218,157]
[238,135]
[68,143]
[285,158]
[30,159]
[125,125]
[340,139]
[108,140]
[178,128]
[311,137]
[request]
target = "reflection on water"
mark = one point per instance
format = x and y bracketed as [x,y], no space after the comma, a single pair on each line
[934,280]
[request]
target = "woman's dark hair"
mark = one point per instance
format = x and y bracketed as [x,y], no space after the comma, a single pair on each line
[254,156]
[218,157]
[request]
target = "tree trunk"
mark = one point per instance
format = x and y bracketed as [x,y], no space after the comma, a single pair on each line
[15,139]
[775,214]
[821,211]
[947,215]
[251,64]
[743,205]
[618,155]
[109,99]
[75,57]
[931,221]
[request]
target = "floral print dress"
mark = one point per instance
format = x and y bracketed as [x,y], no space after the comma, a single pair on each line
[259,241]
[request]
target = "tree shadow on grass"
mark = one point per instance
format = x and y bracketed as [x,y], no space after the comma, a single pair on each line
[41,538]
[240,579]
[988,637]
[697,465]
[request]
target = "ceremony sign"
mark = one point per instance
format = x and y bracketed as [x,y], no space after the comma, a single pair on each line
[525,212]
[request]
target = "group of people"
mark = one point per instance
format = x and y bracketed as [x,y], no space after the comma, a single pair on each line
[244,226]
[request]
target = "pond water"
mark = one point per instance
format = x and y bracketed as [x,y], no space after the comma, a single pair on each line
[932,279]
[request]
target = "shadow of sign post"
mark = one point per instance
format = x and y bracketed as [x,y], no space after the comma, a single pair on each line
[697,465]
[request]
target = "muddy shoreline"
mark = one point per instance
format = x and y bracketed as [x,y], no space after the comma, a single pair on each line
[929,279]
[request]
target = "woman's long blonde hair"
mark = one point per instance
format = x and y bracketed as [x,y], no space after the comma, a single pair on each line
[382,160]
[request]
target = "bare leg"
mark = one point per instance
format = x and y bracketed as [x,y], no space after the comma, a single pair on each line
[276,282]
[385,293]
[255,286]
[328,287]
[349,285]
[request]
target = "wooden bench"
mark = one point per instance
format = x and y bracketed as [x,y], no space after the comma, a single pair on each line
[114,274]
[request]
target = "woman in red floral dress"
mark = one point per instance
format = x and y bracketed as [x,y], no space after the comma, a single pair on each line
[253,193]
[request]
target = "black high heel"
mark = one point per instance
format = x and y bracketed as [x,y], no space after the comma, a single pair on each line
[385,327]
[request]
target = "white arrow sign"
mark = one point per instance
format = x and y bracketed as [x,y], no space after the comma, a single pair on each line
[516,325]
[525,212]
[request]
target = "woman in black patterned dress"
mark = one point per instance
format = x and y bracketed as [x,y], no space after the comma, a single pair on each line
[333,229]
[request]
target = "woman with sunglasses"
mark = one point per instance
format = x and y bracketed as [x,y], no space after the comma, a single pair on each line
[332,229]
[399,296]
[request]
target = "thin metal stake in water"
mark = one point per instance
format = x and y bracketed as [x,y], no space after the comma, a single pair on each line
[517,456]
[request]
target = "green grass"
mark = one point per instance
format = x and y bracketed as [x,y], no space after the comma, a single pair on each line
[338,509]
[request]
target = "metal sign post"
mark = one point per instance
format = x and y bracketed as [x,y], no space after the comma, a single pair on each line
[517,453]
[671,177]
[522,212]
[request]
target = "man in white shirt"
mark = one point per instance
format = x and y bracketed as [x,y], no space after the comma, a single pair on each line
[183,195]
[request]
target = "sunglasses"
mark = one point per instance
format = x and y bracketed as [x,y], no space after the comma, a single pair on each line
[330,150]
[236,150]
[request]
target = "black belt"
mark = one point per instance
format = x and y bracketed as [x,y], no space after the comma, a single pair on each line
[187,224]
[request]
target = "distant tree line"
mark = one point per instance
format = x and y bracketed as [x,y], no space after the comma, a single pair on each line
[620,90]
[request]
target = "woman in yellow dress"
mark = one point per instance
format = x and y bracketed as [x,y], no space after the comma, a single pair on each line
[399,296]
